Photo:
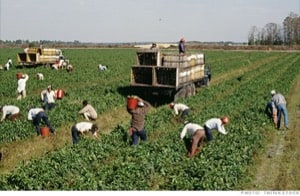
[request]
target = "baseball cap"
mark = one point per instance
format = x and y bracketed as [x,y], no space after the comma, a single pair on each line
[172,105]
[273,92]
[140,103]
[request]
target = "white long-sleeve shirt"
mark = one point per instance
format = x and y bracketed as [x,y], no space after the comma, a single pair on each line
[84,127]
[190,129]
[50,96]
[33,112]
[9,110]
[7,65]
[216,123]
[179,107]
[22,83]
[9,61]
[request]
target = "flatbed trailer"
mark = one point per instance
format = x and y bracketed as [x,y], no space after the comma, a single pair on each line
[39,56]
[169,74]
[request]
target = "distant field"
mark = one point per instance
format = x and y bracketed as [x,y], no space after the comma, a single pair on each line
[241,82]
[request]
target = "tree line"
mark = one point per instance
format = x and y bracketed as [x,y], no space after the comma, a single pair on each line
[287,33]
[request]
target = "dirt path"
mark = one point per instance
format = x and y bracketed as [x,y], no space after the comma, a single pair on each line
[278,168]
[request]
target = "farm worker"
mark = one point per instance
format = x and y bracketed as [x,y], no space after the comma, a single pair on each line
[215,123]
[48,96]
[55,66]
[37,115]
[88,111]
[181,46]
[60,63]
[8,64]
[153,46]
[102,67]
[10,111]
[69,68]
[9,61]
[196,133]
[39,76]
[271,111]
[180,109]
[138,121]
[22,86]
[82,127]
[280,103]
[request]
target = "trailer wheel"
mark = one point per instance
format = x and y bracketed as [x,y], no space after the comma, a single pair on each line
[206,81]
[191,90]
[185,91]
[180,93]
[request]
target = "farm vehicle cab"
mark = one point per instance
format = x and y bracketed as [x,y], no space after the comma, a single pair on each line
[40,56]
[167,74]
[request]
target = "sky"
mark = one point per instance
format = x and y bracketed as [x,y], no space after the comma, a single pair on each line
[114,21]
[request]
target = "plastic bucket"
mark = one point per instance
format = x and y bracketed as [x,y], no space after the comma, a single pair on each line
[60,94]
[19,75]
[132,103]
[45,131]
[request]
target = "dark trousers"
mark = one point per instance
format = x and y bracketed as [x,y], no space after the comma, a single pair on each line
[136,134]
[75,134]
[185,113]
[13,116]
[208,133]
[49,106]
[37,121]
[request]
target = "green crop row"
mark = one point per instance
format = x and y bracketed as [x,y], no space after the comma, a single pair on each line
[160,164]
[86,82]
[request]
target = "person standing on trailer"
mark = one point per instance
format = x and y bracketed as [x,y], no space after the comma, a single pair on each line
[181,46]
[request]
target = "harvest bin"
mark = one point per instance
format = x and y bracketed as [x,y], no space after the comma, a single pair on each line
[45,131]
[60,94]
[132,103]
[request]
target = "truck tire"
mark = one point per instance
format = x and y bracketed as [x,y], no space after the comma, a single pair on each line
[180,93]
[185,91]
[206,81]
[191,90]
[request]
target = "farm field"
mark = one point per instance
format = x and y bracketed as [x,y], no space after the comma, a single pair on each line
[252,152]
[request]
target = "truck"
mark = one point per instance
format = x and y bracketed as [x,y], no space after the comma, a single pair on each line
[169,75]
[39,56]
